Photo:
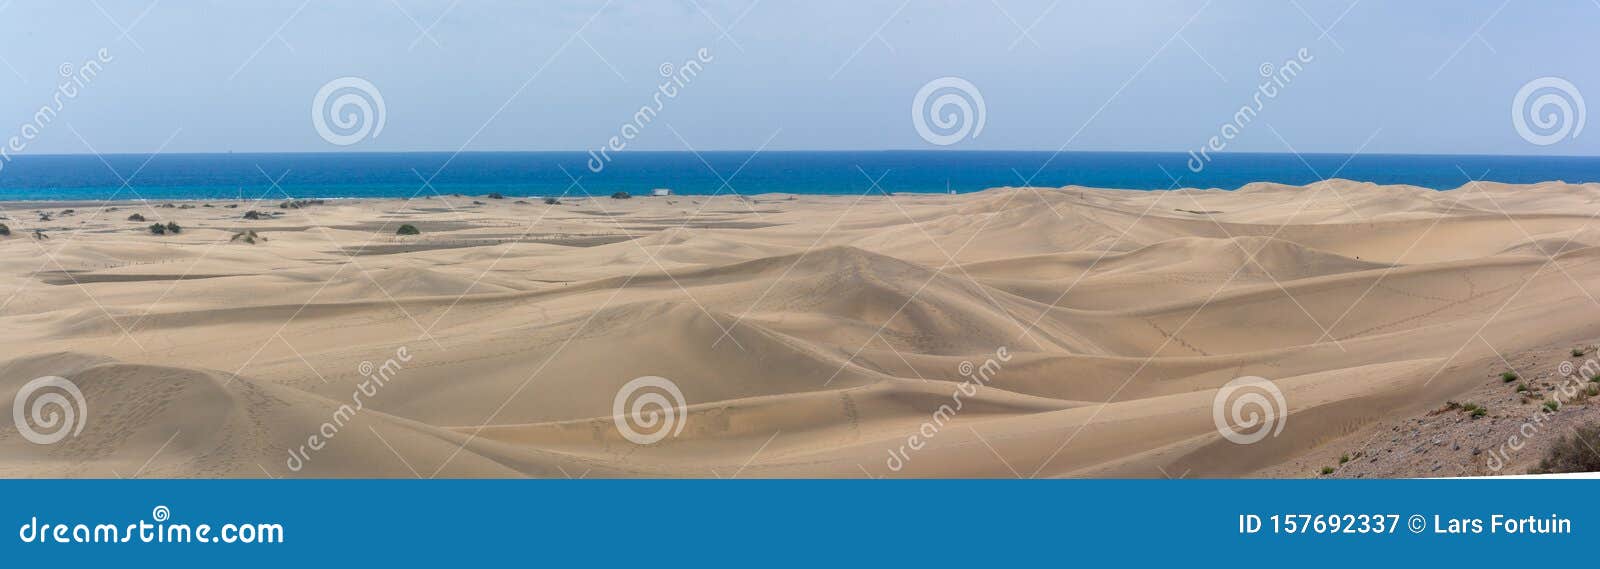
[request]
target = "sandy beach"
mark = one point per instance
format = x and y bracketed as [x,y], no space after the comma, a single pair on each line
[1049,332]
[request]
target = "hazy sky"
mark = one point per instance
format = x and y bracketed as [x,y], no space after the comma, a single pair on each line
[195,76]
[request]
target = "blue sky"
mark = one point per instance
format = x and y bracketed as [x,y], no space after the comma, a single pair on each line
[1395,77]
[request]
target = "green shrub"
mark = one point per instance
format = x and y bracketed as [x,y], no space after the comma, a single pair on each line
[408,229]
[621,196]
[1578,352]
[1522,388]
[158,229]
[1343,458]
[172,227]
[1574,453]
[552,201]
[495,196]
[1326,470]
[1552,405]
[297,204]
[4,230]
[1508,376]
[136,217]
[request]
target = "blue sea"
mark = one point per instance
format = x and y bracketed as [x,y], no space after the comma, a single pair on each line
[336,175]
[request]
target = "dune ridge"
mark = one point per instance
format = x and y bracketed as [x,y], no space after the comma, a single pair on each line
[1049,332]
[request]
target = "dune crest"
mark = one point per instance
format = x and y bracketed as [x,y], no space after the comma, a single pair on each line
[1010,332]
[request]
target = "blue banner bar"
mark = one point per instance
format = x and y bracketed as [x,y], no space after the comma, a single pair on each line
[1237,523]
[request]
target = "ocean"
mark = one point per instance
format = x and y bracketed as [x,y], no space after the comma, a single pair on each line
[348,175]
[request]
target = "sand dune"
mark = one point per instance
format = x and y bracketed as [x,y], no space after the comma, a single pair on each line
[828,336]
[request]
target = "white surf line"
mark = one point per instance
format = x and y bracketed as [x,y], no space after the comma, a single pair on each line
[728,181]
[126,183]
